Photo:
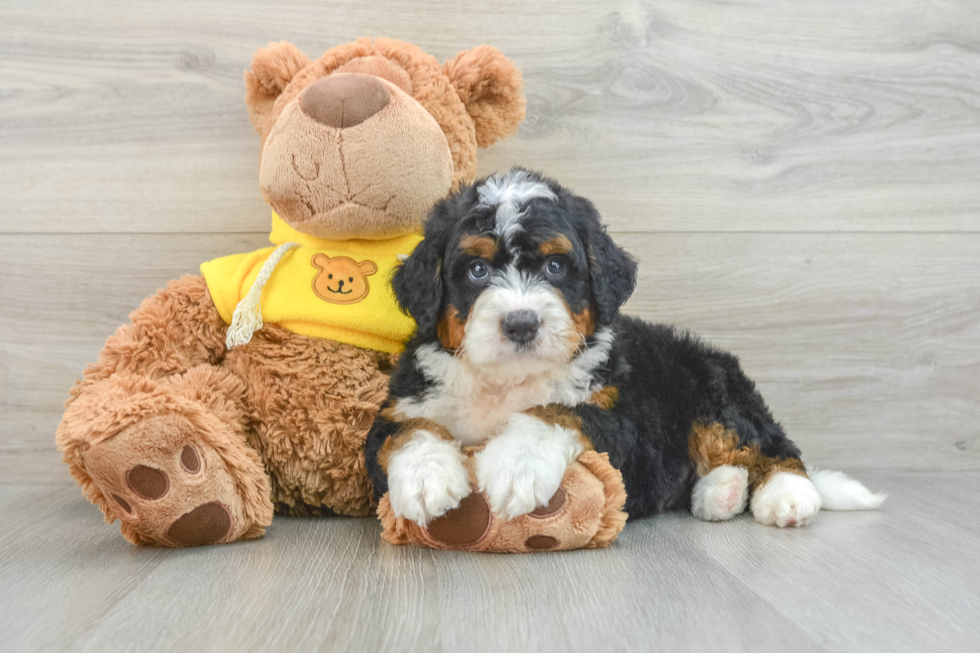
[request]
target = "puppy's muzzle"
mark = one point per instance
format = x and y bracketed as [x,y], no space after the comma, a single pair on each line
[521,327]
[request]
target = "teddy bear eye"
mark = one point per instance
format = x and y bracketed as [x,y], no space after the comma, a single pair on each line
[330,276]
[351,279]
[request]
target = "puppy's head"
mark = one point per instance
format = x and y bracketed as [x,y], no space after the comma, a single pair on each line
[515,274]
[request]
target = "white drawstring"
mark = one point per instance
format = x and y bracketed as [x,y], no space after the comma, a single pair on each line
[248,313]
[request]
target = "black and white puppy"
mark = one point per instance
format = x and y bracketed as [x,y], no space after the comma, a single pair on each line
[520,345]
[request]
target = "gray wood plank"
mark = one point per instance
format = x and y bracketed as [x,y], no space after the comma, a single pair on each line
[867,346]
[62,569]
[673,116]
[902,579]
[334,585]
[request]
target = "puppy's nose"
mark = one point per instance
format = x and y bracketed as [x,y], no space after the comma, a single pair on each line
[344,100]
[521,326]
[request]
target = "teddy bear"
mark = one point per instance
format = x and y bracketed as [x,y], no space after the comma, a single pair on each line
[248,390]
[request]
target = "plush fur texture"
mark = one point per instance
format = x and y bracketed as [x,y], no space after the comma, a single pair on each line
[187,442]
[540,364]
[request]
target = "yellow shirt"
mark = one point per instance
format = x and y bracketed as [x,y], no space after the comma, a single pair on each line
[339,290]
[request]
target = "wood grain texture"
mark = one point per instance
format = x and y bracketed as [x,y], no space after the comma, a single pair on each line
[903,579]
[678,115]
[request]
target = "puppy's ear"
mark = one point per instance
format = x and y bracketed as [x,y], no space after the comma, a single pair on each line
[489,84]
[273,67]
[612,270]
[418,283]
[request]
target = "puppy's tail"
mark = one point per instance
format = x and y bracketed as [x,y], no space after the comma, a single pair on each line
[839,491]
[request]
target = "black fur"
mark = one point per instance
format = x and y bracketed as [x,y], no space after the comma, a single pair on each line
[667,380]
[612,271]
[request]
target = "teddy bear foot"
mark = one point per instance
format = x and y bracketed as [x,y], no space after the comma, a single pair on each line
[172,487]
[585,512]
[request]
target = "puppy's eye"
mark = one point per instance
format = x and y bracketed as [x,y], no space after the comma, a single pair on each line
[479,271]
[554,267]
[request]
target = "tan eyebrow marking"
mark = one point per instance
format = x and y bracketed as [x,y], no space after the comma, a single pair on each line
[481,246]
[556,245]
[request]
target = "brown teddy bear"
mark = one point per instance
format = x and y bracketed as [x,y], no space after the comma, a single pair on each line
[189,435]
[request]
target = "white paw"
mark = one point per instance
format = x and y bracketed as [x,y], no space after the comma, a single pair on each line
[786,500]
[721,494]
[522,468]
[426,478]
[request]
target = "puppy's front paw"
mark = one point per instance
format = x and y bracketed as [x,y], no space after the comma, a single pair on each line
[522,468]
[426,478]
[786,500]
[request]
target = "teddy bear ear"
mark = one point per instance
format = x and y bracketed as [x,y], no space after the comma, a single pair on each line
[320,261]
[367,268]
[273,67]
[489,84]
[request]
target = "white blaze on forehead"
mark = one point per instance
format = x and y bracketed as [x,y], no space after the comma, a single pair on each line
[509,192]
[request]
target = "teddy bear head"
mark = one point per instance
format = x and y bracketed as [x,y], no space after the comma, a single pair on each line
[362,141]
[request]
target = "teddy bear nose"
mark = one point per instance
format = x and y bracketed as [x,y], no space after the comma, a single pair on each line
[344,100]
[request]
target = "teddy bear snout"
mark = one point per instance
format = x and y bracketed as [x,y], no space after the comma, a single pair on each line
[344,99]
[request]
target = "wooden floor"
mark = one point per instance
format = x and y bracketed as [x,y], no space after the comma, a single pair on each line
[903,579]
[800,181]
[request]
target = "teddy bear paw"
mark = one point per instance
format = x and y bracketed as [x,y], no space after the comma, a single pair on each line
[167,485]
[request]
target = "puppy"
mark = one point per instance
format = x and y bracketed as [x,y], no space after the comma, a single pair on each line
[520,346]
